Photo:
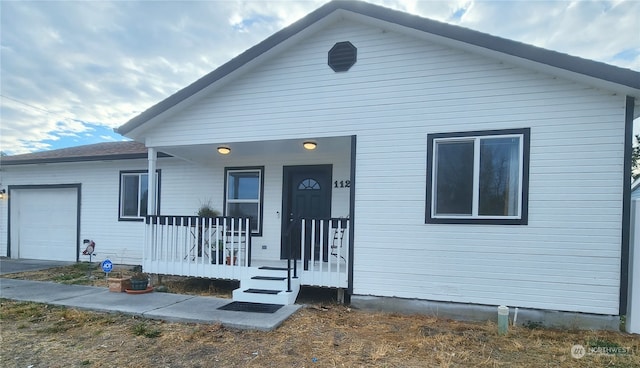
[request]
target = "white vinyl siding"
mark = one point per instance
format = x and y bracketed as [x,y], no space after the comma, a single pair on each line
[184,187]
[400,90]
[119,241]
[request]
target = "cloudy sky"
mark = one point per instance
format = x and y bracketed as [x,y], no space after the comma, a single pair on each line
[71,71]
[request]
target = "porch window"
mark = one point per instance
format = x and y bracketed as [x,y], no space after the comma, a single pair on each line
[243,195]
[478,177]
[134,192]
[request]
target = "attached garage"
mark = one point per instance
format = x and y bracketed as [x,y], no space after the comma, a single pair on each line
[44,222]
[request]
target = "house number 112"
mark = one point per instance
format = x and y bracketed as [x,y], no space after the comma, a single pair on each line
[342,184]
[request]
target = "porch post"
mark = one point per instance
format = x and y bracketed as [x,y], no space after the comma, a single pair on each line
[151,190]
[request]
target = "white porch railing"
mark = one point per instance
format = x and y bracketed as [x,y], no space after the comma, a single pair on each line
[324,248]
[221,248]
[196,246]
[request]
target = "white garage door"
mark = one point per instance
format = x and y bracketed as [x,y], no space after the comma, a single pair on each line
[44,223]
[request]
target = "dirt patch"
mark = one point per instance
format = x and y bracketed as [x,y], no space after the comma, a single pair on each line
[323,334]
[91,274]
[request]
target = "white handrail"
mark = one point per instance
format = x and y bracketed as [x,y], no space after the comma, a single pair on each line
[191,246]
[324,246]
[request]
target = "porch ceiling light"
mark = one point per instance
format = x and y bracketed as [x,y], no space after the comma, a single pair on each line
[309,145]
[224,150]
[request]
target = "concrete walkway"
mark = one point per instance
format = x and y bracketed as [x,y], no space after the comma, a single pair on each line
[154,305]
[8,265]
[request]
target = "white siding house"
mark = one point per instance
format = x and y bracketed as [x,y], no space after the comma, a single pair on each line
[635,192]
[417,134]
[94,182]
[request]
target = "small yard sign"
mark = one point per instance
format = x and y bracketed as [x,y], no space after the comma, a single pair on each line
[107,265]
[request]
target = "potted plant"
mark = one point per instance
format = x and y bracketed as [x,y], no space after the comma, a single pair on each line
[206,210]
[139,281]
[230,260]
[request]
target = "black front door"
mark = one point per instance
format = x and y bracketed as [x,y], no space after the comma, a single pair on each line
[306,194]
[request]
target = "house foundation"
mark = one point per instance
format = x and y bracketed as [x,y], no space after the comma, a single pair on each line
[477,312]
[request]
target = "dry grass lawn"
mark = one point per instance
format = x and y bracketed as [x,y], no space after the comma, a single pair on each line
[323,334]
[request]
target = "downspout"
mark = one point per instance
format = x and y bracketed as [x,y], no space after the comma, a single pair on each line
[626,206]
[352,217]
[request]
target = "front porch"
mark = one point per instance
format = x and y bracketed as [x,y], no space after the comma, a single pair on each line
[221,248]
[287,214]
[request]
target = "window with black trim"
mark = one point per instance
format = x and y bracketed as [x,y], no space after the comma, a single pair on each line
[243,195]
[134,192]
[478,177]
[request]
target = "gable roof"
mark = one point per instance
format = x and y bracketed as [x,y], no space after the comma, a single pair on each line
[90,152]
[628,79]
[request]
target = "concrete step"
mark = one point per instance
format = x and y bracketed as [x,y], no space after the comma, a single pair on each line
[279,297]
[272,268]
[265,282]
[268,271]
[262,291]
[268,278]
[267,285]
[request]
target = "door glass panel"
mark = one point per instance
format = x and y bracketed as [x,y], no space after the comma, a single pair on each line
[309,184]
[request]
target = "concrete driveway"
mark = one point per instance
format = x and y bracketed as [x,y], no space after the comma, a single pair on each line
[8,265]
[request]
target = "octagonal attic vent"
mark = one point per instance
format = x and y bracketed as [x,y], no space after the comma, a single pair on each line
[342,56]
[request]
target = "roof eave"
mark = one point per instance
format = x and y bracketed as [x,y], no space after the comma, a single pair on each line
[227,68]
[624,81]
[627,79]
[54,160]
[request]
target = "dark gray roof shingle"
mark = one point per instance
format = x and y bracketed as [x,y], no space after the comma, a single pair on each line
[90,152]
